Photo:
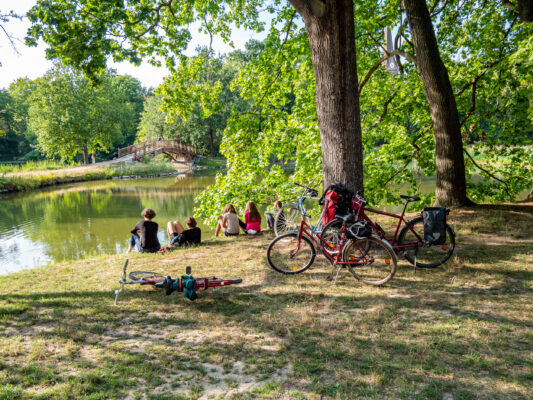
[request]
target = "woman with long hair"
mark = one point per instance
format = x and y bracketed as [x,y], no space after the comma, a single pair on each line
[252,218]
[229,221]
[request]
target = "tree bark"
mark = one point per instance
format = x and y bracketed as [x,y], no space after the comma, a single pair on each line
[525,10]
[211,142]
[331,34]
[85,154]
[451,181]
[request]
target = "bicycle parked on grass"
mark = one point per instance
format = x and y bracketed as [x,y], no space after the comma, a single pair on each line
[370,259]
[409,242]
[289,216]
[183,284]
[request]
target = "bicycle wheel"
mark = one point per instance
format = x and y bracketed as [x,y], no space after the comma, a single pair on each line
[372,260]
[332,233]
[147,278]
[288,255]
[427,256]
[288,219]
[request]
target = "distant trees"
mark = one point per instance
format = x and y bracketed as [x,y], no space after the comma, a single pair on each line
[70,116]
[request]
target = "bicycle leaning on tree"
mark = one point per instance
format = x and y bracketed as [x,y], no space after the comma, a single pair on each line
[410,242]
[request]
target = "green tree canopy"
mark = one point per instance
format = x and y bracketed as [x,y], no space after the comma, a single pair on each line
[70,116]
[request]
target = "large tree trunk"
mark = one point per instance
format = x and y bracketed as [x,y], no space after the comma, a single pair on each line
[330,29]
[525,10]
[451,182]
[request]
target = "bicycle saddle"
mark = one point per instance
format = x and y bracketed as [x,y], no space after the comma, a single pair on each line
[346,218]
[410,198]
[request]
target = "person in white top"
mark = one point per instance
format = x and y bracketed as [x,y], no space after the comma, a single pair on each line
[229,222]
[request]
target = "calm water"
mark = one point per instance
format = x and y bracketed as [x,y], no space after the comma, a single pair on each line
[77,220]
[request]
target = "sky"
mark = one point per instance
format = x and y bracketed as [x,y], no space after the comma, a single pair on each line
[31,62]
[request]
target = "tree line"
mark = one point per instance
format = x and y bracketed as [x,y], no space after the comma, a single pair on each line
[316,97]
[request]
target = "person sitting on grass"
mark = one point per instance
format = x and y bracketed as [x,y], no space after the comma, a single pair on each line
[229,221]
[177,236]
[144,235]
[271,215]
[252,218]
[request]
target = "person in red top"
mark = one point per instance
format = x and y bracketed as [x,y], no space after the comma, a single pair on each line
[252,219]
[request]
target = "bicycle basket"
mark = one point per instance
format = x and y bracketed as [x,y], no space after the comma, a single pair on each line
[359,230]
[435,225]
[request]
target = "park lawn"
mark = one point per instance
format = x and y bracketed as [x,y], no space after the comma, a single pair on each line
[460,331]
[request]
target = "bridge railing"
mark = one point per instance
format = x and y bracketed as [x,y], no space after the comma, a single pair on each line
[139,150]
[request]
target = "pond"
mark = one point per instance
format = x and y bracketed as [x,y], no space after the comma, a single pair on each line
[73,221]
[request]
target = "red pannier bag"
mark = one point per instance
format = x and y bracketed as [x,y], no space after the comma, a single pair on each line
[330,206]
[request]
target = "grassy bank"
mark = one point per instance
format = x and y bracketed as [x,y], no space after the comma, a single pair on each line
[31,179]
[461,331]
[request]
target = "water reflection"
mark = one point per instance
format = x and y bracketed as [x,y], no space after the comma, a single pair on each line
[73,221]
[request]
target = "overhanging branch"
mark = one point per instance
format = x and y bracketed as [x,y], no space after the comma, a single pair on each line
[409,56]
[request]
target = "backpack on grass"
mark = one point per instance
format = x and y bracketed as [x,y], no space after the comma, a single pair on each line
[435,224]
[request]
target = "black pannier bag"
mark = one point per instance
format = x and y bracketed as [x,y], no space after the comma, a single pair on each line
[435,225]
[359,230]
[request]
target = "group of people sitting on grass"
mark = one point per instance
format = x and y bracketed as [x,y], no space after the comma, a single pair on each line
[144,234]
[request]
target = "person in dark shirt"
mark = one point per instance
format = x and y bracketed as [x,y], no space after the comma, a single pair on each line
[177,236]
[144,235]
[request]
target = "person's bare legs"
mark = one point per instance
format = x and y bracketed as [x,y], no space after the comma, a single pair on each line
[174,227]
[219,227]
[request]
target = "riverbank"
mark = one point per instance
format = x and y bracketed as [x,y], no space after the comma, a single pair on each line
[31,180]
[460,331]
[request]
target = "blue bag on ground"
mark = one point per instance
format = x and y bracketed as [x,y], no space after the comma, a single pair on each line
[435,225]
[189,287]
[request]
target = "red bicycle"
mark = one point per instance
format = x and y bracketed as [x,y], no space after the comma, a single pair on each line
[409,242]
[370,260]
[157,280]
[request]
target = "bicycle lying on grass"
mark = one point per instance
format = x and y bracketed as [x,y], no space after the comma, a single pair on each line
[370,260]
[409,242]
[186,283]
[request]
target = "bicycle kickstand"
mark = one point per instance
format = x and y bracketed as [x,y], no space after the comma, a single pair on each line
[117,292]
[337,273]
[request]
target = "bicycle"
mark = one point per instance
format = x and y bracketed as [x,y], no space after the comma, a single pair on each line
[409,242]
[288,217]
[157,280]
[370,260]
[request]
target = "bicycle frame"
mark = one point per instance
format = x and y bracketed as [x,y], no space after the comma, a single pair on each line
[303,211]
[325,246]
[360,209]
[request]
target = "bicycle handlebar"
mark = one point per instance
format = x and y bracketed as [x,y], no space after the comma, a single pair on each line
[312,191]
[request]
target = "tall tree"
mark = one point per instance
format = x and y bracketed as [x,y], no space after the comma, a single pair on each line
[82,33]
[451,180]
[71,117]
[330,29]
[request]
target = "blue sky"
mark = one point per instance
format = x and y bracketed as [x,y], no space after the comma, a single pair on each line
[32,63]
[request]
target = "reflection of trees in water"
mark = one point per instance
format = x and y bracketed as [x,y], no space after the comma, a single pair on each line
[78,221]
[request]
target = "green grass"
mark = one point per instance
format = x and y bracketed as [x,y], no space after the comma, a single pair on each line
[34,166]
[461,331]
[33,179]
[219,162]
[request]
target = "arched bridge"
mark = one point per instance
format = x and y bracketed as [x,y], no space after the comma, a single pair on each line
[179,152]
